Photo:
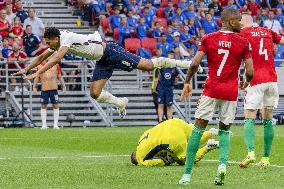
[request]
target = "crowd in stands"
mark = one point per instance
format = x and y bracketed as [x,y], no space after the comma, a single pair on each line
[173,25]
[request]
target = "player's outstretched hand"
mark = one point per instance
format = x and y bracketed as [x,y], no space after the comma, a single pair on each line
[32,76]
[64,90]
[243,85]
[21,72]
[186,92]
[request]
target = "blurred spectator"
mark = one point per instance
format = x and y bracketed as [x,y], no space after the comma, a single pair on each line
[142,29]
[20,11]
[121,5]
[17,29]
[35,23]
[132,20]
[115,19]
[279,16]
[6,49]
[31,41]
[280,4]
[10,15]
[190,12]
[185,36]
[192,29]
[4,24]
[42,47]
[21,57]
[208,24]
[216,6]
[169,10]
[240,3]
[182,4]
[152,9]
[179,16]
[253,7]
[148,17]
[263,16]
[157,31]
[231,5]
[272,23]
[124,31]
[167,79]
[177,54]
[134,6]
[164,45]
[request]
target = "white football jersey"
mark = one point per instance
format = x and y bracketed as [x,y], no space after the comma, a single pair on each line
[86,46]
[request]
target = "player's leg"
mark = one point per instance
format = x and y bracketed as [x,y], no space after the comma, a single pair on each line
[227,115]
[44,101]
[203,114]
[161,105]
[270,101]
[118,57]
[55,104]
[169,101]
[102,96]
[252,102]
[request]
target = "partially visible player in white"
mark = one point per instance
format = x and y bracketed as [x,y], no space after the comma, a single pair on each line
[108,56]
[49,92]
[262,91]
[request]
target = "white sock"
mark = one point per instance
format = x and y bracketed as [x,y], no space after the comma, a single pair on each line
[55,117]
[163,62]
[43,117]
[106,97]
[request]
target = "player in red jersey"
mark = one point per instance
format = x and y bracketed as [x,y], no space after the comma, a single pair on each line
[262,92]
[225,52]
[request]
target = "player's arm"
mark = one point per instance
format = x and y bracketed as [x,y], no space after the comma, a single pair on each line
[249,72]
[193,68]
[55,59]
[36,81]
[35,62]
[61,80]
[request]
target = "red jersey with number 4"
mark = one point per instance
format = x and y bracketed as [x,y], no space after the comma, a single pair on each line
[262,41]
[225,52]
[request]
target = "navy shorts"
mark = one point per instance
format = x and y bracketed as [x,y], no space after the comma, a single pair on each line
[166,96]
[115,57]
[52,95]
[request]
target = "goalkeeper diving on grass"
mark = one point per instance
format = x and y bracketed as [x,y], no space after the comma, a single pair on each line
[165,144]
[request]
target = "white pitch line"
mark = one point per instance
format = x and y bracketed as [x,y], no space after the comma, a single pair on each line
[117,155]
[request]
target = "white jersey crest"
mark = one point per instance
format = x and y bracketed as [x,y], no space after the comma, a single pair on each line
[86,46]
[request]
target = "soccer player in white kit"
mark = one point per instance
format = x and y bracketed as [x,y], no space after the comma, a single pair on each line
[108,56]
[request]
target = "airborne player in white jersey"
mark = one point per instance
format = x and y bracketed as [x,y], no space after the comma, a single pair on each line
[108,56]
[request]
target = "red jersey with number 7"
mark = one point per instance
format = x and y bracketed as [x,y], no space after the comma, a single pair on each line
[262,41]
[225,51]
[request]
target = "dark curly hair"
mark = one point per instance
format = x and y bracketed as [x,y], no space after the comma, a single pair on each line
[51,32]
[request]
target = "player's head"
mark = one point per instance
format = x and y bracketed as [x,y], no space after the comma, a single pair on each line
[247,21]
[231,20]
[52,37]
[133,158]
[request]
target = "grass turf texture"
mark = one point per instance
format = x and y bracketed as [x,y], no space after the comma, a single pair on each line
[70,169]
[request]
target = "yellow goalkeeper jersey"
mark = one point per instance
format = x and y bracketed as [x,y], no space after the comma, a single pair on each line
[171,136]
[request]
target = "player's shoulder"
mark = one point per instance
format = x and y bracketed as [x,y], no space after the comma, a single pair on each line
[210,35]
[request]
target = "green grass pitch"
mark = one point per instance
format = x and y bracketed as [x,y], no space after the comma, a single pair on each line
[88,158]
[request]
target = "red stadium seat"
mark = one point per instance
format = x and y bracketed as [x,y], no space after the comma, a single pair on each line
[164,3]
[132,44]
[160,13]
[105,24]
[149,43]
[115,34]
[163,22]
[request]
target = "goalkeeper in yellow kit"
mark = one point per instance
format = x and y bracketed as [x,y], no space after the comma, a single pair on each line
[166,143]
